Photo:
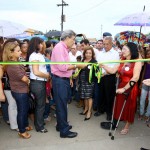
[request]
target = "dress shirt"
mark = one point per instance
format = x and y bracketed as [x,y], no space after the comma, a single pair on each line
[73,58]
[60,53]
[110,55]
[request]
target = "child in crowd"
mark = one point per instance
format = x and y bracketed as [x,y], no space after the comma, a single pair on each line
[49,98]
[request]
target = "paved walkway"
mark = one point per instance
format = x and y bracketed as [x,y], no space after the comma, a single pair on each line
[90,136]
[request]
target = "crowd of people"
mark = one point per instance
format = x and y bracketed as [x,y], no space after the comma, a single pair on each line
[33,89]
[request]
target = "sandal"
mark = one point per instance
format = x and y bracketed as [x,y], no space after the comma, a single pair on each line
[146,119]
[124,131]
[24,135]
[29,128]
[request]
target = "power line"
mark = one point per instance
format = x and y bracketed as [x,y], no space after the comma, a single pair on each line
[89,9]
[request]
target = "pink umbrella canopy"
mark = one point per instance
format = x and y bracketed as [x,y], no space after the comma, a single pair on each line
[137,19]
[8,28]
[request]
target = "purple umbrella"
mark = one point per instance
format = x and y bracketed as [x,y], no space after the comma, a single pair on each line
[138,19]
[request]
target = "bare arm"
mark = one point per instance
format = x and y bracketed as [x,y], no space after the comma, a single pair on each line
[73,67]
[25,79]
[38,73]
[110,70]
[135,78]
[2,96]
[147,82]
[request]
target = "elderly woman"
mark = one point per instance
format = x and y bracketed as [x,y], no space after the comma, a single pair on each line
[127,72]
[19,86]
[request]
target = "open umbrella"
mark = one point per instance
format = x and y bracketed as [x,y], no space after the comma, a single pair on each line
[148,38]
[137,19]
[130,36]
[53,33]
[38,35]
[19,36]
[8,28]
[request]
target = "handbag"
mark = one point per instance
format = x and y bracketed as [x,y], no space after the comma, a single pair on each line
[5,81]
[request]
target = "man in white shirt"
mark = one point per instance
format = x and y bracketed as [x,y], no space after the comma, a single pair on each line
[99,48]
[108,81]
[74,53]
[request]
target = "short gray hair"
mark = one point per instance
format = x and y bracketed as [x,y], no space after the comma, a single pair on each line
[109,38]
[67,33]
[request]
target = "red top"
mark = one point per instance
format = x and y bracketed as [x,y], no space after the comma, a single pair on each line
[126,73]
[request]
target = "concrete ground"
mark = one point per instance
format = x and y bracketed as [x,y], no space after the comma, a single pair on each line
[90,136]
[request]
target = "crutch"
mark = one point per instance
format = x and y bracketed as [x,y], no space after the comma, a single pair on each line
[131,83]
[111,125]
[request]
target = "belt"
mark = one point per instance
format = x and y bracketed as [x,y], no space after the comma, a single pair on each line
[64,78]
[35,80]
[109,75]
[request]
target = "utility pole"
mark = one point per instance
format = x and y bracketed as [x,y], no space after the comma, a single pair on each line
[62,14]
[101,30]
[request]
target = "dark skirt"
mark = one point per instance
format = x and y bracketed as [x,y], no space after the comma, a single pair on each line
[86,89]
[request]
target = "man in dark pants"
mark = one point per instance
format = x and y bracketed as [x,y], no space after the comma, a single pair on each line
[61,81]
[107,85]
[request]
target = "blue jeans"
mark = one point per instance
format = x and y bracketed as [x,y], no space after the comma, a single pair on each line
[48,107]
[38,88]
[144,92]
[22,100]
[4,106]
[61,91]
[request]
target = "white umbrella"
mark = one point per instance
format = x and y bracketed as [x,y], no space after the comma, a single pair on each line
[8,28]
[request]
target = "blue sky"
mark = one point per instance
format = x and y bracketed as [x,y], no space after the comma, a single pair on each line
[83,16]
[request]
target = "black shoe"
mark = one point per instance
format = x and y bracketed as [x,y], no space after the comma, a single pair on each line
[144,149]
[83,113]
[69,134]
[108,118]
[42,131]
[85,119]
[98,114]
[107,125]
[57,129]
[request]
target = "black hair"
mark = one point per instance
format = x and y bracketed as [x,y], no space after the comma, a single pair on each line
[26,40]
[48,44]
[34,46]
[133,50]
[85,41]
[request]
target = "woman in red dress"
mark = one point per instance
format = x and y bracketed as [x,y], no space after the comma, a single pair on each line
[127,72]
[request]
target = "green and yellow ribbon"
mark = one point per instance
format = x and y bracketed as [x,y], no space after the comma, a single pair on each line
[61,63]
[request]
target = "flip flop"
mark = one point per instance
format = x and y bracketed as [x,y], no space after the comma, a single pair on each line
[124,131]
